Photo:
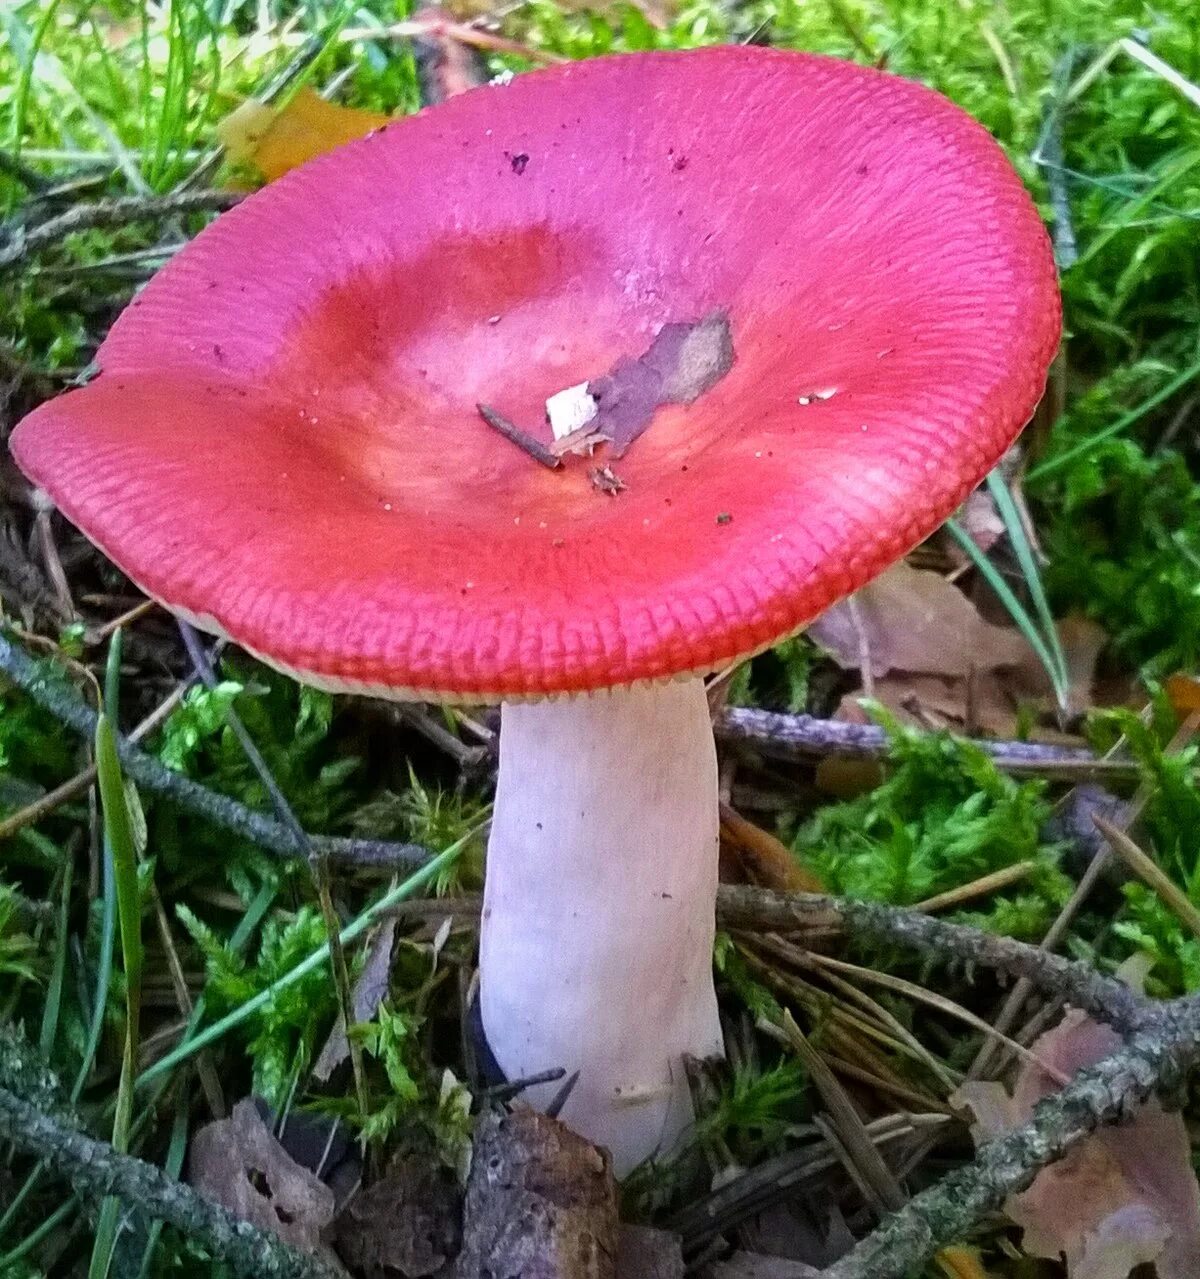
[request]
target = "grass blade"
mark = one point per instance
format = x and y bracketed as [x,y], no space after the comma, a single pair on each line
[20,108]
[1135,415]
[1135,208]
[427,874]
[50,1014]
[1019,539]
[1016,610]
[122,850]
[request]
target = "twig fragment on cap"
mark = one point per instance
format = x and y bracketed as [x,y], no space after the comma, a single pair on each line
[522,439]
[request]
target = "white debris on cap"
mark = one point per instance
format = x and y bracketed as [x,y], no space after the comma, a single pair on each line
[827,394]
[570,409]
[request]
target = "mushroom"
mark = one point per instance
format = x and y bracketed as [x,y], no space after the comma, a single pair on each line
[283,445]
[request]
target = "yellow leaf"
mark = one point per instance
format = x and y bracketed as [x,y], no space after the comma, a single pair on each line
[961,1263]
[274,141]
[1184,694]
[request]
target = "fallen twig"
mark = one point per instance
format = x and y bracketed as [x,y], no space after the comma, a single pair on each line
[65,704]
[23,242]
[746,907]
[75,786]
[96,1170]
[794,737]
[1157,1057]
[522,439]
[1049,155]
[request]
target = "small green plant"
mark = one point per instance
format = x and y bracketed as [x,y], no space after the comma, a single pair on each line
[1124,545]
[779,679]
[944,815]
[1151,927]
[735,974]
[18,951]
[430,815]
[291,725]
[33,746]
[755,1110]
[283,1034]
[1168,828]
[391,1039]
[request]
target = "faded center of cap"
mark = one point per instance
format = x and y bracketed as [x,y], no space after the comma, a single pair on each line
[543,326]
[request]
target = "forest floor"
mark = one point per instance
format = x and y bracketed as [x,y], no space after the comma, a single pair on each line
[1061,608]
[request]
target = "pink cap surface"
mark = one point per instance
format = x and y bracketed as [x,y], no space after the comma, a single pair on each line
[284,443]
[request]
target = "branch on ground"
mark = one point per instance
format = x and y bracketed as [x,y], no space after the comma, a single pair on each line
[1104,997]
[747,908]
[95,1169]
[1155,1060]
[65,704]
[24,242]
[797,737]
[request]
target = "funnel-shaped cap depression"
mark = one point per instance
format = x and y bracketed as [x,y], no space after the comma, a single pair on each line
[284,441]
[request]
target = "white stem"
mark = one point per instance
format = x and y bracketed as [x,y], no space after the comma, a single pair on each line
[598,916]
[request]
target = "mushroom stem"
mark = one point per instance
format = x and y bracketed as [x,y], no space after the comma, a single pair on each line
[598,918]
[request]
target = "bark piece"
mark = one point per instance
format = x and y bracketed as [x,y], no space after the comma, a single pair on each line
[541,1203]
[680,365]
[406,1226]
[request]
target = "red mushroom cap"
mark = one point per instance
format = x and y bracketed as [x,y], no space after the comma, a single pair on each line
[284,442]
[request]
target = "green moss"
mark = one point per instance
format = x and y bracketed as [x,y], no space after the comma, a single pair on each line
[944,816]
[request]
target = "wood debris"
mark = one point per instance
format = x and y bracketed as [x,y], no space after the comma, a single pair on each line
[604,479]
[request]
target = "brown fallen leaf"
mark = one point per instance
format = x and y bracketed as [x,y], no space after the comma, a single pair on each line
[985,707]
[761,858]
[274,140]
[681,364]
[238,1163]
[812,1231]
[1123,1197]
[989,702]
[1082,641]
[980,520]
[1183,692]
[913,620]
